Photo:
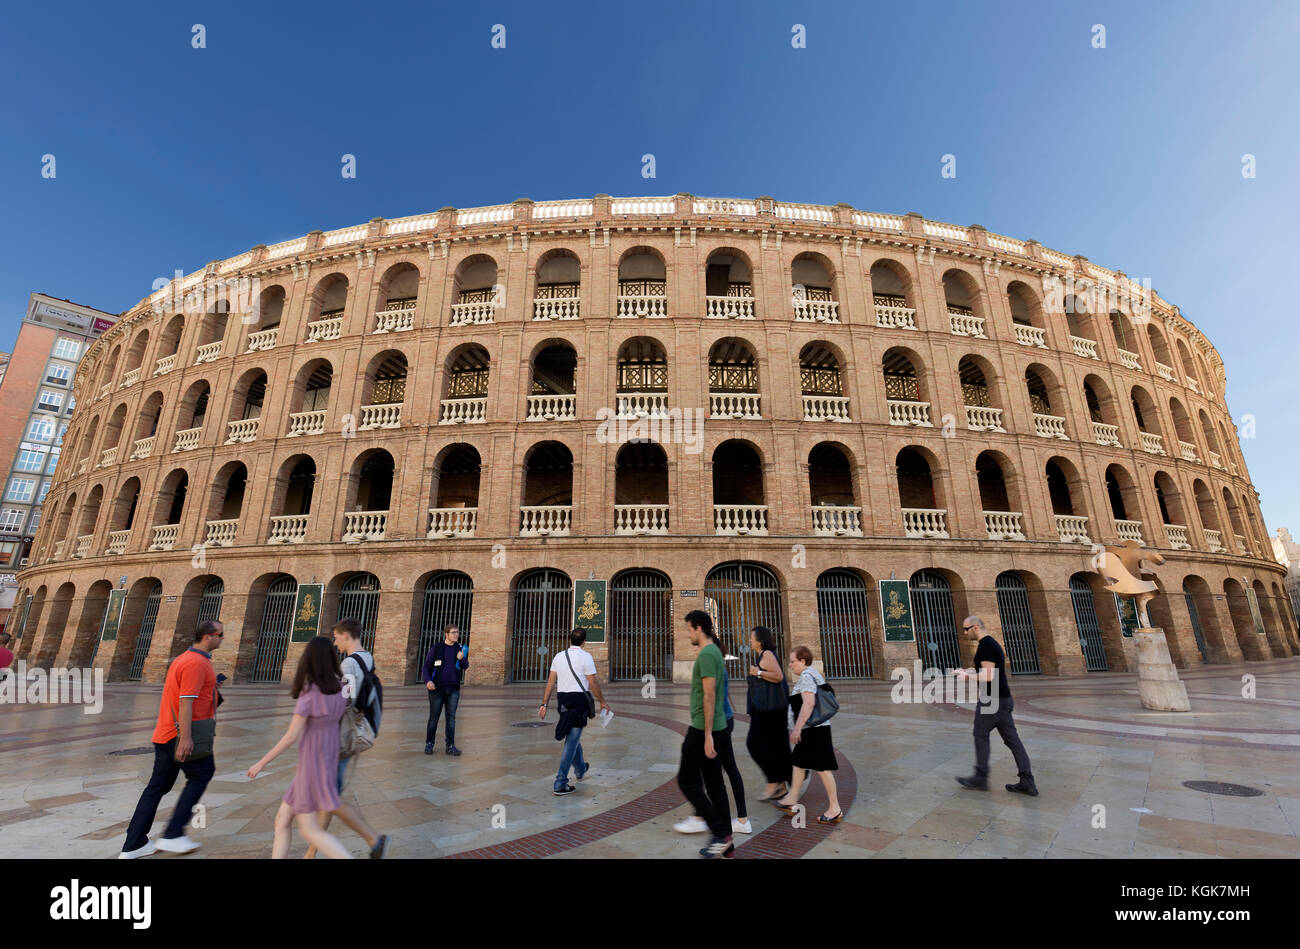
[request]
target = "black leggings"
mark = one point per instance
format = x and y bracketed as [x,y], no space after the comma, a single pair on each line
[722,744]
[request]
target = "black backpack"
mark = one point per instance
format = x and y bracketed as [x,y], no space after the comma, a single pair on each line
[370,693]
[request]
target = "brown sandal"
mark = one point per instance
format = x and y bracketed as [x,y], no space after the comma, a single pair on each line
[831,820]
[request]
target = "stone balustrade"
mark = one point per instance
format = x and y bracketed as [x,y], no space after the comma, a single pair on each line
[739,520]
[452,522]
[1072,528]
[548,408]
[734,405]
[361,526]
[909,413]
[639,519]
[461,411]
[837,520]
[545,520]
[221,533]
[826,408]
[1003,525]
[925,522]
[288,529]
[306,423]
[384,415]
[980,418]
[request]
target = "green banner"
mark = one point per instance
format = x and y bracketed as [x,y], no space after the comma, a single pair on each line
[113,615]
[1253,599]
[896,611]
[1126,607]
[306,612]
[589,608]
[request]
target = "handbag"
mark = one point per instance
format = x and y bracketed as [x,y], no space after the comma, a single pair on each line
[355,731]
[825,705]
[203,732]
[765,696]
[591,699]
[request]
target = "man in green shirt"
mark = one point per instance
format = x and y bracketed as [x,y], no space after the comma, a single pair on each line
[700,774]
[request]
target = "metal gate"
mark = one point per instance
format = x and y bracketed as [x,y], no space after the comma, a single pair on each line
[359,600]
[1089,627]
[448,598]
[845,622]
[1196,623]
[273,637]
[145,637]
[640,625]
[936,627]
[1017,624]
[746,595]
[210,602]
[543,619]
[22,620]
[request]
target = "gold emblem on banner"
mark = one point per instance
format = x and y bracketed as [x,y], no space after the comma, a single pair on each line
[590,609]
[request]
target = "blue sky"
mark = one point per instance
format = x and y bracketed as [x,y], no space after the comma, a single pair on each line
[169,156]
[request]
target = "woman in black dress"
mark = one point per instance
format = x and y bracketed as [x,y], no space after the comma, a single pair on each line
[813,750]
[768,741]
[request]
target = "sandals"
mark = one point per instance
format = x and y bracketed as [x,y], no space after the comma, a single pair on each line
[821,819]
[781,793]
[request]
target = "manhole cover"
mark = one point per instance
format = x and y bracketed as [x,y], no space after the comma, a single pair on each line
[529,724]
[148,749]
[1219,787]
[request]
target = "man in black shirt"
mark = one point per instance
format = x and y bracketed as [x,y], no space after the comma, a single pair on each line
[990,667]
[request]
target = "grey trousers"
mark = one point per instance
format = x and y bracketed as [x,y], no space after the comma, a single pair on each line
[1006,727]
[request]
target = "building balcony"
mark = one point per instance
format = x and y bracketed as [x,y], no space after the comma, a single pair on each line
[142,448]
[1031,336]
[1050,426]
[221,533]
[895,317]
[386,415]
[734,405]
[306,423]
[1232,466]
[105,389]
[58,551]
[165,365]
[266,339]
[452,522]
[1177,535]
[1214,541]
[1003,525]
[556,308]
[640,519]
[399,317]
[1164,372]
[288,529]
[836,520]
[817,311]
[966,324]
[739,520]
[1216,459]
[826,408]
[980,418]
[242,430]
[1193,385]
[1129,359]
[633,306]
[1072,529]
[131,378]
[1129,530]
[164,536]
[117,541]
[359,526]
[1152,444]
[208,353]
[107,457]
[549,520]
[187,439]
[1105,434]
[1241,544]
[550,408]
[729,308]
[1187,451]
[641,404]
[330,327]
[909,413]
[921,522]
[82,550]
[462,411]
[1084,347]
[83,465]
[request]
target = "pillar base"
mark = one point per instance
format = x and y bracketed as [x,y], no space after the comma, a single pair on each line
[1159,687]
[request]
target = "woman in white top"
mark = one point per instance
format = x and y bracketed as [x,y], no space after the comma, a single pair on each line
[813,750]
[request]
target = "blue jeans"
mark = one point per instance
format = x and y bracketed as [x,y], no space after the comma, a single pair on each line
[440,698]
[571,756]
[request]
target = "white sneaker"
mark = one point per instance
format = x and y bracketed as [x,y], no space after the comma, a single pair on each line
[181,844]
[692,825]
[739,826]
[147,850]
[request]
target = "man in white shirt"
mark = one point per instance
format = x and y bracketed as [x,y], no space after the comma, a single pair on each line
[573,674]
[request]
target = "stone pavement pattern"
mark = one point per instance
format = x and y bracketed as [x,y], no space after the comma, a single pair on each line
[63,793]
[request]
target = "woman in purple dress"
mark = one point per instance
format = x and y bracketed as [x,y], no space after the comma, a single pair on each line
[318,689]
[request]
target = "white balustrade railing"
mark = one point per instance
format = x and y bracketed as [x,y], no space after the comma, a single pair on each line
[1084,347]
[107,457]
[1072,529]
[1003,525]
[142,448]
[1129,530]
[130,379]
[165,365]
[288,529]
[117,541]
[1214,541]
[734,405]
[1216,459]
[208,352]
[187,439]
[164,536]
[729,308]
[105,389]
[397,317]
[724,206]
[1129,359]
[265,339]
[547,408]
[641,206]
[1050,426]
[553,520]
[1164,372]
[466,314]
[1177,534]
[738,520]
[635,404]
[804,212]
[387,415]
[1193,385]
[1241,544]
[1105,434]
[460,411]
[1151,443]
[1031,336]
[966,324]
[924,522]
[836,520]
[556,308]
[452,522]
[1232,466]
[826,408]
[896,317]
[949,232]
[364,525]
[909,413]
[221,533]
[58,551]
[1011,246]
[636,519]
[306,423]
[546,210]
[412,224]
[496,214]
[816,311]
[331,327]
[640,306]
[1187,451]
[879,222]
[83,546]
[982,418]
[83,465]
[242,430]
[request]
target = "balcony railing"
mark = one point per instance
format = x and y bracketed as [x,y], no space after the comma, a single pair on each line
[1232,466]
[1105,434]
[107,457]
[331,327]
[131,378]
[826,408]
[966,324]
[1213,541]
[58,551]
[816,311]
[105,389]
[1084,347]
[288,529]
[242,430]
[265,339]
[82,549]
[364,525]
[221,533]
[1216,459]
[639,519]
[836,520]
[1164,372]
[1241,544]
[460,411]
[734,405]
[1193,385]
[548,408]
[468,314]
[980,418]
[1050,426]
[1072,529]
[386,415]
[1187,451]
[1031,336]
[634,302]
[924,522]
[895,317]
[909,413]
[83,465]
[142,448]
[397,317]
[641,404]
[549,520]
[1129,530]
[165,365]
[208,352]
[1129,359]
[738,520]
[556,308]
[306,423]
[1152,444]
[1003,525]
[1177,534]
[729,308]
[452,522]
[164,536]
[117,541]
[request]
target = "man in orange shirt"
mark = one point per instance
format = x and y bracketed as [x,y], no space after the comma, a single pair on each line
[189,695]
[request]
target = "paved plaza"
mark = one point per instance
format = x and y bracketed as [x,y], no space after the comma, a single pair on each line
[69,781]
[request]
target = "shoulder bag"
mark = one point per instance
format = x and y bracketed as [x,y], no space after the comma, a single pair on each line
[765,696]
[825,705]
[591,699]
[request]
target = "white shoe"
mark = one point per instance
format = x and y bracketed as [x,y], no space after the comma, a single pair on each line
[739,826]
[147,850]
[181,844]
[692,825]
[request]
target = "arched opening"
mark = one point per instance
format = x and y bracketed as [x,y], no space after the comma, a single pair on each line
[642,387]
[448,599]
[1204,618]
[922,515]
[1272,628]
[1183,429]
[465,386]
[369,491]
[728,289]
[1125,339]
[212,332]
[739,596]
[292,496]
[641,489]
[398,290]
[812,289]
[962,297]
[542,617]
[225,505]
[1000,521]
[1017,623]
[1250,633]
[640,625]
[821,384]
[739,504]
[559,286]
[246,407]
[553,392]
[477,289]
[1160,349]
[455,492]
[1091,640]
[1148,421]
[983,408]
[169,508]
[146,426]
[1172,514]
[904,392]
[278,594]
[383,391]
[147,613]
[1083,335]
[169,344]
[844,618]
[358,599]
[733,380]
[934,621]
[1234,517]
[547,507]
[135,356]
[329,300]
[1122,494]
[642,284]
[310,398]
[55,627]
[891,295]
[90,624]
[1027,319]
[190,416]
[1041,386]
[830,485]
[1064,485]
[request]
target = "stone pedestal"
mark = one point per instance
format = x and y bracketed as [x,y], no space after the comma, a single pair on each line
[1158,684]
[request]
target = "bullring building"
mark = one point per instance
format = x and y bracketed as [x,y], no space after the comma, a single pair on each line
[776,410]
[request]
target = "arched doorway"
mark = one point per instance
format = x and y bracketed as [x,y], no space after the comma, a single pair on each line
[359,600]
[210,601]
[1017,624]
[448,598]
[844,617]
[1088,625]
[743,595]
[543,617]
[273,637]
[640,625]
[1189,597]
[936,627]
[145,636]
